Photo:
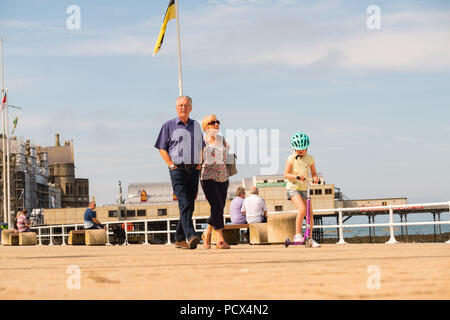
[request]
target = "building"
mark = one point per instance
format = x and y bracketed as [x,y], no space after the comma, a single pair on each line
[29,176]
[156,200]
[42,177]
[61,164]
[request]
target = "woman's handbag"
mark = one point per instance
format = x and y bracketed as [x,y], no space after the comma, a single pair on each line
[231,164]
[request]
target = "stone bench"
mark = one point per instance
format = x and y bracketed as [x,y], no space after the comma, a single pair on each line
[95,237]
[12,238]
[231,233]
[280,226]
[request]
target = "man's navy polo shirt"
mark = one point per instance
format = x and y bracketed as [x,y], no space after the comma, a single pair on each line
[184,143]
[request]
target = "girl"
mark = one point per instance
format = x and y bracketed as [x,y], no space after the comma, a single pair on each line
[298,166]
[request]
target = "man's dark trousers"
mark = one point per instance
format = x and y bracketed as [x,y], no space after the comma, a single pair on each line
[185,187]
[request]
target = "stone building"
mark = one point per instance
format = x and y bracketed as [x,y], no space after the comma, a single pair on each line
[28,177]
[61,163]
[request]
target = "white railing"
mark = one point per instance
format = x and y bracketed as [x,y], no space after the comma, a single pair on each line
[340,226]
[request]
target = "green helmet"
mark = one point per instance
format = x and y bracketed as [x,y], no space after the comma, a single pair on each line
[299,141]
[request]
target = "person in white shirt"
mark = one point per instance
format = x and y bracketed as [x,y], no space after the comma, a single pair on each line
[254,207]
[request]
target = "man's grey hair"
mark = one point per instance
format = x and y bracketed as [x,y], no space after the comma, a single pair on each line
[254,190]
[185,97]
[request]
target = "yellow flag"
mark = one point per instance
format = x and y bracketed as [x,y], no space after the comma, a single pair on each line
[170,14]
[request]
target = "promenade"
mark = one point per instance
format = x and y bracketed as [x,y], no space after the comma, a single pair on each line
[351,271]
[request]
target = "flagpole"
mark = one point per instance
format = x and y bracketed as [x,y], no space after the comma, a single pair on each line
[180,75]
[5,213]
[8,174]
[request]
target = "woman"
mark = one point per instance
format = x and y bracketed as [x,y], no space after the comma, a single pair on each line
[214,180]
[22,221]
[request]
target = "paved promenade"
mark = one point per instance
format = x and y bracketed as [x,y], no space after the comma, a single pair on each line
[352,271]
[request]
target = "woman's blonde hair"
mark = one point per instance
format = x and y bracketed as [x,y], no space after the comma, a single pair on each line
[206,120]
[240,190]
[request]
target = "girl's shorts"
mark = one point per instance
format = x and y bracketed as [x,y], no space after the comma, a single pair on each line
[291,193]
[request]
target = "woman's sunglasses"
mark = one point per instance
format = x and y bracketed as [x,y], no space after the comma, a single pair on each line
[214,122]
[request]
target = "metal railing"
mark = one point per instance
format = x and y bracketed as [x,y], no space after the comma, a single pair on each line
[48,231]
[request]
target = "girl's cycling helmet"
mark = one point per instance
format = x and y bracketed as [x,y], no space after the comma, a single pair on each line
[299,141]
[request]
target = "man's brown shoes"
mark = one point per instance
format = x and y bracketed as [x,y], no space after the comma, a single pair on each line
[193,242]
[181,244]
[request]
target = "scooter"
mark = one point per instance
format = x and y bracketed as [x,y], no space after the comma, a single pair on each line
[308,233]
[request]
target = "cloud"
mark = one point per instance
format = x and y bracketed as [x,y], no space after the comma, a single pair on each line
[347,131]
[405,140]
[242,32]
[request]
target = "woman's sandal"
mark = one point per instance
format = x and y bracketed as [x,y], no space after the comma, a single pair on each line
[222,245]
[206,241]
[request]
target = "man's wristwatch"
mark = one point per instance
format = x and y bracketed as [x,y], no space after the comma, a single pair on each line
[298,178]
[171,166]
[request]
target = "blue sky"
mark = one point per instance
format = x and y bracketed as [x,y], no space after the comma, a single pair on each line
[375,103]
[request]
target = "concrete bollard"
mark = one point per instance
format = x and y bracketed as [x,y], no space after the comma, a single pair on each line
[10,238]
[27,238]
[258,233]
[95,237]
[76,237]
[280,226]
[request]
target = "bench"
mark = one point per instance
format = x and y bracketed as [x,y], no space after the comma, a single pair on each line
[12,238]
[95,237]
[231,233]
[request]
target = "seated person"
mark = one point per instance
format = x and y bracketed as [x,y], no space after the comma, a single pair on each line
[21,223]
[90,218]
[235,207]
[254,207]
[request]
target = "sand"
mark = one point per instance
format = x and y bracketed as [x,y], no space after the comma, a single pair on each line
[351,271]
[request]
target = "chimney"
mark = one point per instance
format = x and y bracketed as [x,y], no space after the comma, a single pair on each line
[57,140]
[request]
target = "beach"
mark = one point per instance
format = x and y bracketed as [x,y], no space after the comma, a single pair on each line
[350,271]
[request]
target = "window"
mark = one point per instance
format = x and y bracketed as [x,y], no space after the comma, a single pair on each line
[122,213]
[328,191]
[141,213]
[278,208]
[131,213]
[112,213]
[79,190]
[318,191]
[67,189]
[162,212]
[384,203]
[280,181]
[265,181]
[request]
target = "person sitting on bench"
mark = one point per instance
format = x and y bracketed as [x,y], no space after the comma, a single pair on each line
[90,218]
[21,223]
[254,207]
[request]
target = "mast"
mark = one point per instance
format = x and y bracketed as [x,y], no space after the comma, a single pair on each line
[5,212]
[180,75]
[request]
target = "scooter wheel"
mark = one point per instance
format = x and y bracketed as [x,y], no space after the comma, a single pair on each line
[308,243]
[287,242]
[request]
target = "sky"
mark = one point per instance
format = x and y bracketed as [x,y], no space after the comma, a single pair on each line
[370,88]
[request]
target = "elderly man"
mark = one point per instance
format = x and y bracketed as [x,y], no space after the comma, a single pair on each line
[90,218]
[254,207]
[180,144]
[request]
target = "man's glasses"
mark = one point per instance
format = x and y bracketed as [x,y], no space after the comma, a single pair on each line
[214,122]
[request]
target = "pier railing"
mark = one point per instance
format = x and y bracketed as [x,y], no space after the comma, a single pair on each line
[49,232]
